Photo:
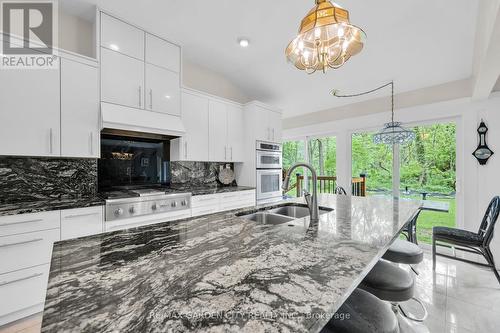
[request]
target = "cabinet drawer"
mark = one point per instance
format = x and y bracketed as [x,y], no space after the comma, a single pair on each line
[162,53]
[23,223]
[238,196]
[211,200]
[27,250]
[23,289]
[236,205]
[204,210]
[121,37]
[81,222]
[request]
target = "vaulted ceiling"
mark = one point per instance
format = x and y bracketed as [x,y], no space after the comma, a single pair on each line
[415,43]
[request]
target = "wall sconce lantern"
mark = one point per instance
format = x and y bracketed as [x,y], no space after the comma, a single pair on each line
[483,152]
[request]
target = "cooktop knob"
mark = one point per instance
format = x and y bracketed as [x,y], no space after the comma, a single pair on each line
[119,211]
[131,210]
[153,207]
[174,204]
[184,202]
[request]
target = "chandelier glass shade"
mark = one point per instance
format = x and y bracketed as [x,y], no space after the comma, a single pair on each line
[393,133]
[326,39]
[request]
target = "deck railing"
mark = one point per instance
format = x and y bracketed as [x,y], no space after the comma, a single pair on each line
[328,184]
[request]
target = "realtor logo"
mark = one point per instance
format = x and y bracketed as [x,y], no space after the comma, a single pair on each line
[29,34]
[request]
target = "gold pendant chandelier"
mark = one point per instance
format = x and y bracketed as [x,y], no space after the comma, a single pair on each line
[326,39]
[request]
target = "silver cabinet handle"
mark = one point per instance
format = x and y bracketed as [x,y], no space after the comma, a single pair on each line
[4,283]
[51,148]
[91,143]
[231,153]
[185,149]
[21,243]
[21,222]
[274,138]
[225,152]
[151,99]
[80,215]
[140,96]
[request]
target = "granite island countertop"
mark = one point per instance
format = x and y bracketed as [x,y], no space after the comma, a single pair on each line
[221,273]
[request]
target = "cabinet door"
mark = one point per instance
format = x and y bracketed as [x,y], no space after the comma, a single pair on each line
[218,151]
[81,222]
[162,90]
[235,133]
[121,37]
[162,53]
[261,125]
[275,126]
[122,79]
[194,145]
[30,112]
[79,110]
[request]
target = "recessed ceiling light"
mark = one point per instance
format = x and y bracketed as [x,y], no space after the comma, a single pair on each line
[243,42]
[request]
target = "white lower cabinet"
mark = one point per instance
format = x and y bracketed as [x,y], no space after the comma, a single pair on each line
[22,292]
[214,203]
[26,250]
[26,243]
[81,222]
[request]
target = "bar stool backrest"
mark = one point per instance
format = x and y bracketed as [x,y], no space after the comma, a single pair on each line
[489,220]
[339,190]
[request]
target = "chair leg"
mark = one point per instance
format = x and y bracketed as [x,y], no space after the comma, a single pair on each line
[433,253]
[491,261]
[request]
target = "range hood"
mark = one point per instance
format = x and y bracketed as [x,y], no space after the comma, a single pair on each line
[117,117]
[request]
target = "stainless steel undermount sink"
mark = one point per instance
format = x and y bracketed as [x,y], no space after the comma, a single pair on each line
[281,215]
[297,212]
[267,218]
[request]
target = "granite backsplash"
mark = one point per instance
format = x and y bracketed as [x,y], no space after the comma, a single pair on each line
[40,178]
[197,174]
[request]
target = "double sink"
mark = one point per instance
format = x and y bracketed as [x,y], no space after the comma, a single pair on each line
[281,215]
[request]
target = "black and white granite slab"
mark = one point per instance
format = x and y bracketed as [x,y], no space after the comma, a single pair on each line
[204,190]
[15,208]
[196,174]
[221,273]
[40,178]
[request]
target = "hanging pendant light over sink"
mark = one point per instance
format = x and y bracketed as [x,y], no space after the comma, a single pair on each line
[326,39]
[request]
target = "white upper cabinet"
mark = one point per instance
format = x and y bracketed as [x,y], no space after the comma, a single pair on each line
[162,90]
[121,37]
[79,110]
[193,146]
[30,112]
[139,70]
[266,123]
[275,126]
[122,79]
[217,121]
[235,133]
[162,53]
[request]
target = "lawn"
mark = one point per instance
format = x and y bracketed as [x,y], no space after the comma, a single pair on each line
[428,219]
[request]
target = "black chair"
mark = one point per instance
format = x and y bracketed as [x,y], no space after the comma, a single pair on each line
[478,243]
[339,190]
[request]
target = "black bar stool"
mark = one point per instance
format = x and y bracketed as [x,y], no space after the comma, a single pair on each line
[363,312]
[390,283]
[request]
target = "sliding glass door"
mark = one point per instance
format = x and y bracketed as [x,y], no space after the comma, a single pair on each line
[372,166]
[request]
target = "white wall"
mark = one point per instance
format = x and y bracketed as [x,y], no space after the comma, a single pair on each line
[76,34]
[476,184]
[206,80]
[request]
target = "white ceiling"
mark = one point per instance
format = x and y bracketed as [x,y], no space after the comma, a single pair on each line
[416,43]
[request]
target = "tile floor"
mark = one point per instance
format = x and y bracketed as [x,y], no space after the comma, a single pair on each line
[460,298]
